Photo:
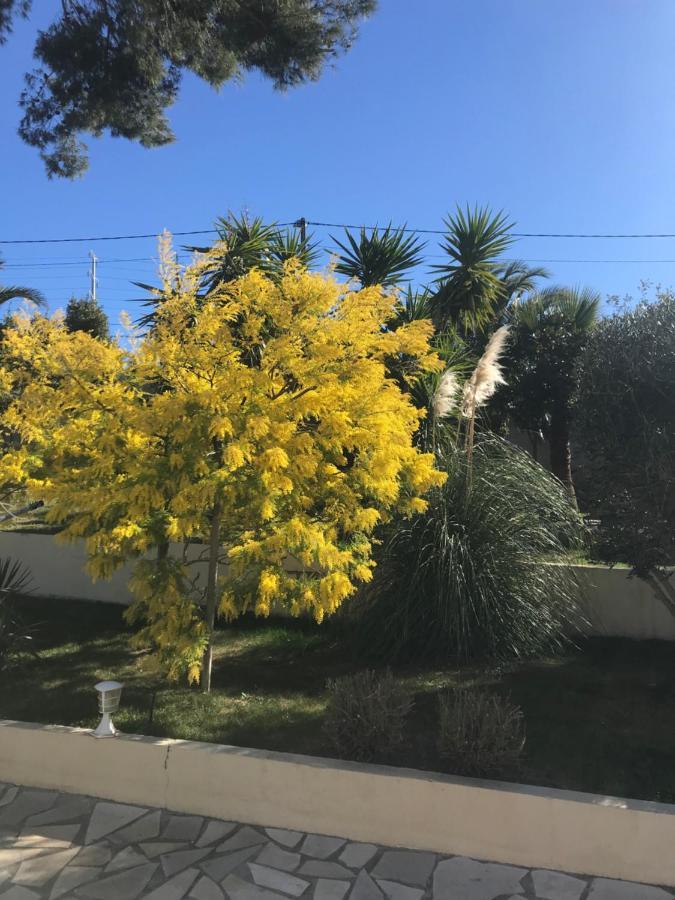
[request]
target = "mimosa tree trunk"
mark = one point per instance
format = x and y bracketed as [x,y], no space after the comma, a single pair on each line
[211,593]
[561,451]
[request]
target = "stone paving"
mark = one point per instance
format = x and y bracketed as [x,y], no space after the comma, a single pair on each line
[55,846]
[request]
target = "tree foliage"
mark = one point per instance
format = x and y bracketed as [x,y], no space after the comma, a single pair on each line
[9,9]
[117,65]
[626,429]
[259,419]
[85,314]
[549,330]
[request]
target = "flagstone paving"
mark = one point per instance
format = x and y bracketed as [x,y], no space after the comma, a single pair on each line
[55,846]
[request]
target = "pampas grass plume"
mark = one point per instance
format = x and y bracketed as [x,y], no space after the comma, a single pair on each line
[487,375]
[445,397]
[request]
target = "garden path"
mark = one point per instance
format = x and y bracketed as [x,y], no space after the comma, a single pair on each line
[56,846]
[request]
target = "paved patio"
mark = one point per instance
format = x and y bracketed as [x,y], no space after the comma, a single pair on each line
[61,845]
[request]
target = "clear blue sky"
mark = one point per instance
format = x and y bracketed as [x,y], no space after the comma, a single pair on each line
[561,112]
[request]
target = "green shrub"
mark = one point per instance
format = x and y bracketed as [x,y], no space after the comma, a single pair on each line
[625,428]
[366,715]
[469,578]
[481,734]
[14,637]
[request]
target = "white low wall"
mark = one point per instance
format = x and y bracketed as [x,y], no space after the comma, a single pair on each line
[615,605]
[528,826]
[58,570]
[619,606]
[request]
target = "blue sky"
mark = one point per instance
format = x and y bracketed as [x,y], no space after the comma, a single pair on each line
[560,112]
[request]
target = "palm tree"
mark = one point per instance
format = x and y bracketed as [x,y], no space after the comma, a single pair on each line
[244,244]
[286,245]
[379,258]
[469,285]
[550,328]
[414,305]
[15,292]
[518,280]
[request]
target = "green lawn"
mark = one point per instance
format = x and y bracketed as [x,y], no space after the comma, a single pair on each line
[600,718]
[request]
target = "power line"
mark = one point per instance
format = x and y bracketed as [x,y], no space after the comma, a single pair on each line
[114,237]
[518,234]
[316,224]
[77,261]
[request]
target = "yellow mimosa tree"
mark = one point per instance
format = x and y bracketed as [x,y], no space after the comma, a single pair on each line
[259,420]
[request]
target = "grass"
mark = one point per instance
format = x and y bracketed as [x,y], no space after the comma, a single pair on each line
[599,718]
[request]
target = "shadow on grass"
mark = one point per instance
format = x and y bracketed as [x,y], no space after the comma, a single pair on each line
[599,717]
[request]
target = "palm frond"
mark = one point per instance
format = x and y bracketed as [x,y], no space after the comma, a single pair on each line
[469,284]
[15,292]
[413,307]
[520,278]
[15,577]
[575,308]
[287,244]
[243,244]
[379,257]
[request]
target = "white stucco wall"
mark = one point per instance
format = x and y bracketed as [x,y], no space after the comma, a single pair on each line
[508,823]
[615,605]
[619,606]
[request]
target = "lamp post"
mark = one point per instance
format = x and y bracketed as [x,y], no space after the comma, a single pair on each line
[109,694]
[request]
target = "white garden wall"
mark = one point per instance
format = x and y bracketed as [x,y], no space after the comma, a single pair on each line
[619,606]
[509,823]
[615,604]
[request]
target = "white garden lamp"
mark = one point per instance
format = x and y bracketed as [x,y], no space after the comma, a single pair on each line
[109,694]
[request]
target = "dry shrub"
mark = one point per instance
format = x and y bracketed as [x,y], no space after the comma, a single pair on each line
[481,734]
[366,715]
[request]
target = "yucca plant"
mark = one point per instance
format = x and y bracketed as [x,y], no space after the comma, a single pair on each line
[289,244]
[379,257]
[243,244]
[469,285]
[469,578]
[414,305]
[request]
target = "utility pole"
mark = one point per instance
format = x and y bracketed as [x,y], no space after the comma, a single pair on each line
[302,225]
[92,276]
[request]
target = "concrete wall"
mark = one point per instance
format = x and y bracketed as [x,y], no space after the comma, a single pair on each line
[537,827]
[615,604]
[618,606]
[58,569]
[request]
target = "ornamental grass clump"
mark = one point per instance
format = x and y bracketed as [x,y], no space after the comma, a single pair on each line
[470,577]
[366,715]
[481,734]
